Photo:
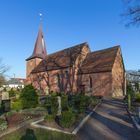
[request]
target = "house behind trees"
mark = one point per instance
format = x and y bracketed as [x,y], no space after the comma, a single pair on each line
[76,70]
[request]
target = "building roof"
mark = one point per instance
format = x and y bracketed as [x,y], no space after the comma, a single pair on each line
[60,59]
[16,81]
[40,47]
[99,61]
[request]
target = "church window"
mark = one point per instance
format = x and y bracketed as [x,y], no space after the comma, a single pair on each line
[66,74]
[58,80]
[90,82]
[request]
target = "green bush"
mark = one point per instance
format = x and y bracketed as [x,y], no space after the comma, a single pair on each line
[53,94]
[64,102]
[84,103]
[29,97]
[16,105]
[77,102]
[9,114]
[137,97]
[49,118]
[93,102]
[54,106]
[3,124]
[51,105]
[35,111]
[67,119]
[12,93]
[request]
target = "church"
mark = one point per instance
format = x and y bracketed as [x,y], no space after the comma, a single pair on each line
[76,69]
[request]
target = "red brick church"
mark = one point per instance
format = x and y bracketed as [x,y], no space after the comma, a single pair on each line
[76,69]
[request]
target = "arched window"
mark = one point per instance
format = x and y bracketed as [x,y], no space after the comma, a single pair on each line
[90,82]
[58,80]
[66,74]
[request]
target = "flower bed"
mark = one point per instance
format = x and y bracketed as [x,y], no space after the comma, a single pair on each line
[54,124]
[19,118]
[73,109]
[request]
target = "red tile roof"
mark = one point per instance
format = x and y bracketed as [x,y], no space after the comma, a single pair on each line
[99,61]
[61,59]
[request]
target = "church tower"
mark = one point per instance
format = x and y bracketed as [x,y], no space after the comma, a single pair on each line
[39,53]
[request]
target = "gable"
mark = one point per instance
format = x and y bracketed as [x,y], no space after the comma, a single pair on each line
[118,62]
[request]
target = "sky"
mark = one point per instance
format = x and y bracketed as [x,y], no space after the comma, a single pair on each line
[65,24]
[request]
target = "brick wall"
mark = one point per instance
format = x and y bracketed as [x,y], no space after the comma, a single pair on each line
[48,81]
[31,64]
[101,83]
[118,76]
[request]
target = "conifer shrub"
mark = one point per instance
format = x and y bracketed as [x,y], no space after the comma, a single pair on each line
[29,97]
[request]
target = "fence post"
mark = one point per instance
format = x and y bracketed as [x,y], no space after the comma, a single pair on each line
[139,113]
[129,101]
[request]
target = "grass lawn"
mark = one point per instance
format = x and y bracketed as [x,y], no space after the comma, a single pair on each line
[36,134]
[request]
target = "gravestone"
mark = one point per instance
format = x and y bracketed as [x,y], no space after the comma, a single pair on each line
[59,106]
[5,102]
[57,119]
[47,91]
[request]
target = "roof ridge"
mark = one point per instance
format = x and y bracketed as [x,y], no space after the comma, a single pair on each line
[106,49]
[78,45]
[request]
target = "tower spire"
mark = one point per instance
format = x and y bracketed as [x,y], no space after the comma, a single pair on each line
[40,46]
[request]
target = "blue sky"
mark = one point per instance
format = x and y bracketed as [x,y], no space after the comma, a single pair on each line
[65,23]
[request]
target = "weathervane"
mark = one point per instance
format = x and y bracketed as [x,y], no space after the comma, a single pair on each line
[40,14]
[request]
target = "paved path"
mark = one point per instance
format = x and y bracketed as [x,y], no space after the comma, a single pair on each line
[109,122]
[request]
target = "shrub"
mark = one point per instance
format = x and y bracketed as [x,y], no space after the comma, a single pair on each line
[64,102]
[48,104]
[84,103]
[77,102]
[12,93]
[137,97]
[49,118]
[130,90]
[29,97]
[16,105]
[35,111]
[3,124]
[51,105]
[93,102]
[53,94]
[67,119]
[9,114]
[54,106]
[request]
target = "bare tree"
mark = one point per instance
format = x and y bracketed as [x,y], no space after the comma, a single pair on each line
[3,69]
[132,12]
